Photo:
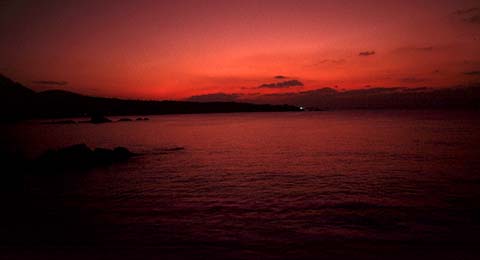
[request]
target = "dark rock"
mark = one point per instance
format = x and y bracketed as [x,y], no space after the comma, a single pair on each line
[76,156]
[103,156]
[146,119]
[107,156]
[80,156]
[61,122]
[99,119]
[124,120]
[122,153]
[139,119]
[169,150]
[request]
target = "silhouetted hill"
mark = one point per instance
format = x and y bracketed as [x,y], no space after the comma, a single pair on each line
[456,97]
[13,89]
[19,102]
[15,100]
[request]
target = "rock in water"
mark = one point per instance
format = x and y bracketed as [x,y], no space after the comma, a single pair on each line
[122,153]
[107,156]
[99,119]
[61,122]
[80,156]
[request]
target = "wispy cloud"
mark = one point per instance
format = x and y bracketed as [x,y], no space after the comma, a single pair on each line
[283,84]
[50,82]
[470,15]
[415,49]
[326,63]
[412,80]
[366,53]
[215,97]
[467,11]
[331,61]
[472,73]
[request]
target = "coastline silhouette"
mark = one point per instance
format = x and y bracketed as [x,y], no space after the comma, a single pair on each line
[455,97]
[20,102]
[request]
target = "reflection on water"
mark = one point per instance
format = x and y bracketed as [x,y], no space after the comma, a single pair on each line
[263,185]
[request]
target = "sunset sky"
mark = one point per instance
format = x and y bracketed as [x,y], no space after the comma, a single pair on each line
[175,49]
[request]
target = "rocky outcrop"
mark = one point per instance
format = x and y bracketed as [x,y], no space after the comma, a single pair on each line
[80,156]
[61,122]
[99,119]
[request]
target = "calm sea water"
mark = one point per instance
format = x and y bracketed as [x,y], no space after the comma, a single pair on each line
[351,184]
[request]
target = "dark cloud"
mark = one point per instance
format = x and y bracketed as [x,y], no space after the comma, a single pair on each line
[467,11]
[472,62]
[370,91]
[429,48]
[472,73]
[419,89]
[469,15]
[415,49]
[327,62]
[283,84]
[412,80]
[474,19]
[366,53]
[215,97]
[50,82]
[280,77]
[331,61]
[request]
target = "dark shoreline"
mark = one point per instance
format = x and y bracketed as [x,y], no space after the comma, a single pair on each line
[20,103]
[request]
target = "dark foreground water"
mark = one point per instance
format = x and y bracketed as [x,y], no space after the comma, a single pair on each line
[331,185]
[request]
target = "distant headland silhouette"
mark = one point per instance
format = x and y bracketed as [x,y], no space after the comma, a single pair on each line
[454,97]
[19,102]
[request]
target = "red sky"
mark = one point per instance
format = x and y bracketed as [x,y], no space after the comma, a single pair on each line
[175,49]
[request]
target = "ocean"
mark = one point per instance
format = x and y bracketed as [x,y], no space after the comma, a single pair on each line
[293,185]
